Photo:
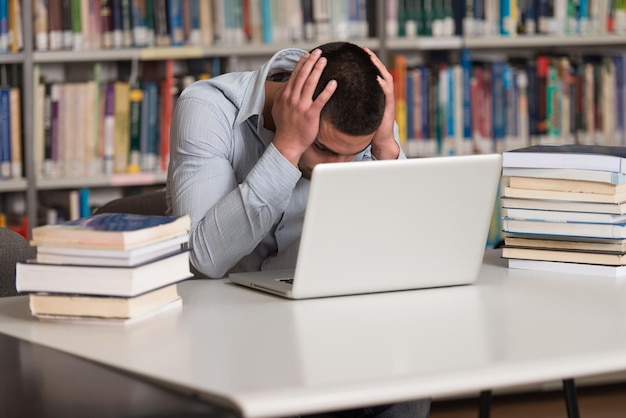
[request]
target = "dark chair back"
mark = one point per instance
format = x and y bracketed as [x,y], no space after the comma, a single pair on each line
[13,248]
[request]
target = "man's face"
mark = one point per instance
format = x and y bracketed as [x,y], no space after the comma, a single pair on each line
[331,146]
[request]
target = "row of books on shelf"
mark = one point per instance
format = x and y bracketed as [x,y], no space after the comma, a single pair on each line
[106,268]
[493,106]
[90,128]
[564,209]
[89,24]
[476,18]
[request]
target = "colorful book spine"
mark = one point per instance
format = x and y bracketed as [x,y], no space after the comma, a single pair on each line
[108,136]
[134,155]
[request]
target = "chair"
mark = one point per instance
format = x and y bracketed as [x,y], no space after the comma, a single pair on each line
[150,203]
[13,248]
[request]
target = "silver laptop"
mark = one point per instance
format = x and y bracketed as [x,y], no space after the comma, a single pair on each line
[383,226]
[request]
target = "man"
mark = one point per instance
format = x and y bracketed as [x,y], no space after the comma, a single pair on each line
[244,145]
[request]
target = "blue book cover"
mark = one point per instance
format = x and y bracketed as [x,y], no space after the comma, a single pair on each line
[138,23]
[618,60]
[151,144]
[531,72]
[466,65]
[83,200]
[266,21]
[118,222]
[425,102]
[195,22]
[5,133]
[4,26]
[505,17]
[410,106]
[175,22]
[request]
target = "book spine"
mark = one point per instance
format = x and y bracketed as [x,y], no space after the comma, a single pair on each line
[15,109]
[466,66]
[167,106]
[134,156]
[400,91]
[523,120]
[195,35]
[161,33]
[5,133]
[175,21]
[77,29]
[106,24]
[138,23]
[108,145]
[40,24]
[542,96]
[4,27]
[498,103]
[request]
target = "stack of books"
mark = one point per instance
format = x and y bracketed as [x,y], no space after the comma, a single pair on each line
[565,209]
[107,268]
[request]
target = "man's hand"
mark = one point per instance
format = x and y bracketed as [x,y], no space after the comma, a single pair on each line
[384,146]
[296,115]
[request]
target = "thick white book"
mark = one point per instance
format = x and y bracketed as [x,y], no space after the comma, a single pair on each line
[111,281]
[563,205]
[572,268]
[576,156]
[562,216]
[566,174]
[574,229]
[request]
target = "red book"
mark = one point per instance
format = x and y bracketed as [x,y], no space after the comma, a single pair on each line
[167,106]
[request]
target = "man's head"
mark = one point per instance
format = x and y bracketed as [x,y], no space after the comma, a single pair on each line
[354,112]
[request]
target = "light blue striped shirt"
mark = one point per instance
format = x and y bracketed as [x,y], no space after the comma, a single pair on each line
[245,200]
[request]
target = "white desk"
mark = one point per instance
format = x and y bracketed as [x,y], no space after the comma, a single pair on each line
[266,356]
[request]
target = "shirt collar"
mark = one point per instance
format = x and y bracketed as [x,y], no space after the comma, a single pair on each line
[281,62]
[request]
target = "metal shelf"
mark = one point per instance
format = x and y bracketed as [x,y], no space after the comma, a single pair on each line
[13,185]
[115,180]
[11,58]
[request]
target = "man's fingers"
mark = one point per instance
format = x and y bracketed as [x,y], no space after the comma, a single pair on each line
[301,74]
[324,96]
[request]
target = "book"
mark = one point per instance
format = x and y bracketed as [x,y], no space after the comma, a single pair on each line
[562,216]
[604,245]
[571,196]
[171,307]
[111,230]
[109,257]
[101,306]
[570,268]
[576,156]
[31,276]
[574,229]
[563,205]
[566,174]
[5,133]
[564,256]
[563,185]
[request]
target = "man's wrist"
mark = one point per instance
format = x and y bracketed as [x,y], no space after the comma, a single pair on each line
[389,152]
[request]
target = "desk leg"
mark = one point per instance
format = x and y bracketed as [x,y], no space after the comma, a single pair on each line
[484,404]
[571,400]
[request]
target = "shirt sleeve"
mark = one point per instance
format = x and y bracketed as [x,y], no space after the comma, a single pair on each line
[228,219]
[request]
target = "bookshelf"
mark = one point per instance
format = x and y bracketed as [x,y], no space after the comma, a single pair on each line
[30,61]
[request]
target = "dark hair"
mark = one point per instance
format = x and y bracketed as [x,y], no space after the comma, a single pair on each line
[358,104]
